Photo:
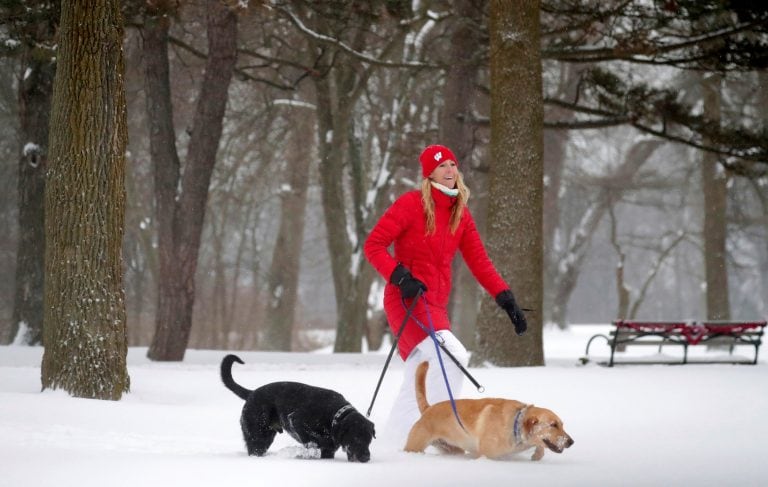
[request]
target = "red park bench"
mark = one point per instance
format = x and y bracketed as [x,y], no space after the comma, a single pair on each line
[683,333]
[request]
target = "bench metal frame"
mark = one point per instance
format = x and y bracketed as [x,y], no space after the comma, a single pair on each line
[685,334]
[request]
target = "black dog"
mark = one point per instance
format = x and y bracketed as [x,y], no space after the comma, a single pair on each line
[311,415]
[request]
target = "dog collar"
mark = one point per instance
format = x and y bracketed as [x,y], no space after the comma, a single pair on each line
[339,414]
[517,428]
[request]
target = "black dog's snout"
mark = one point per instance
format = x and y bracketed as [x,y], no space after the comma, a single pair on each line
[361,457]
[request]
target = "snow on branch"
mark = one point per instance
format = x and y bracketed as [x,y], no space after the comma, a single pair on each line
[332,41]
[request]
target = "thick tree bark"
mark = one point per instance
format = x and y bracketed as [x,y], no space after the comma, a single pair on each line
[85,324]
[180,215]
[516,183]
[35,91]
[715,189]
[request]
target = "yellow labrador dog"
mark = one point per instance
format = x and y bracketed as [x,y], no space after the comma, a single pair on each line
[493,427]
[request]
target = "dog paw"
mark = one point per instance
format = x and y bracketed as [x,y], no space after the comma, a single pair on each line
[303,452]
[538,454]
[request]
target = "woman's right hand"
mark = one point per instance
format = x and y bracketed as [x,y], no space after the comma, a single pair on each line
[409,285]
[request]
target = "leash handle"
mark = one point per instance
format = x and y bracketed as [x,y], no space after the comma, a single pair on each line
[408,313]
[461,367]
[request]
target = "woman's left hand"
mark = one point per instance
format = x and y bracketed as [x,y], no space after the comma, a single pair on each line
[506,300]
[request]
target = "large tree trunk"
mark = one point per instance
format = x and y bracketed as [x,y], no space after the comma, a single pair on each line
[35,91]
[715,189]
[286,259]
[165,159]
[516,183]
[85,328]
[180,216]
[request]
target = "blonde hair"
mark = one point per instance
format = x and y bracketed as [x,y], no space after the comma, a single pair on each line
[429,204]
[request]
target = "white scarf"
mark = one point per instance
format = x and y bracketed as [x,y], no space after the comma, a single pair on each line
[445,189]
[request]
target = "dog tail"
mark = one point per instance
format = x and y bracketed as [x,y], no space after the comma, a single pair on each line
[421,389]
[226,376]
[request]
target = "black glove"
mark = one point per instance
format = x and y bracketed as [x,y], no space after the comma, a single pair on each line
[409,285]
[506,300]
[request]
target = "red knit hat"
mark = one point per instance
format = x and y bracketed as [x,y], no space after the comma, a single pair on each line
[434,155]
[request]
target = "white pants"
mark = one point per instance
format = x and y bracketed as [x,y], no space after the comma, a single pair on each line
[405,410]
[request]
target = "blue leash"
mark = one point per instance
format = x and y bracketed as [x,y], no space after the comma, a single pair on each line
[431,332]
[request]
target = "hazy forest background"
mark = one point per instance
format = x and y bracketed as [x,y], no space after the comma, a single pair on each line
[652,147]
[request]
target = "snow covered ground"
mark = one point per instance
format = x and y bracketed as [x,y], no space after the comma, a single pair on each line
[640,425]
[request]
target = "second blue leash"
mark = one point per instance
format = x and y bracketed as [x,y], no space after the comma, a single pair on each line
[431,332]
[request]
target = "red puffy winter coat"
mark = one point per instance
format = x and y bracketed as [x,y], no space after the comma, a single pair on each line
[428,257]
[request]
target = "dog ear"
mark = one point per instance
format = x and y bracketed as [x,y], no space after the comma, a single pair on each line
[531,422]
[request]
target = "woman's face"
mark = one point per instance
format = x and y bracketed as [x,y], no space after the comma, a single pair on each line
[445,174]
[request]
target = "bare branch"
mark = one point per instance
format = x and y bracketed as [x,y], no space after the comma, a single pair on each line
[239,72]
[331,41]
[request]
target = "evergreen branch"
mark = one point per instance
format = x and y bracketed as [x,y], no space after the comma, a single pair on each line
[643,51]
[644,109]
[587,124]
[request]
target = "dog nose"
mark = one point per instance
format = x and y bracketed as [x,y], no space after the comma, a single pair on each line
[361,457]
[569,443]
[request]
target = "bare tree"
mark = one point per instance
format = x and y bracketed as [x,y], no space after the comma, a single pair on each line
[36,29]
[181,199]
[9,151]
[611,187]
[715,189]
[344,73]
[516,179]
[85,328]
[629,304]
[284,270]
[555,153]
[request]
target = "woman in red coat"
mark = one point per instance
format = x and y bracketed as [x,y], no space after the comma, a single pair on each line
[427,227]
